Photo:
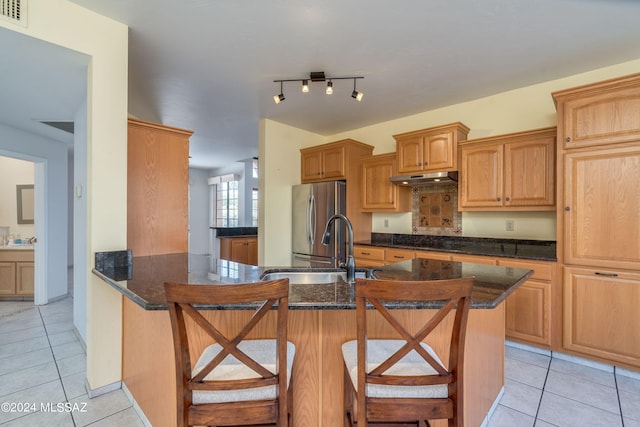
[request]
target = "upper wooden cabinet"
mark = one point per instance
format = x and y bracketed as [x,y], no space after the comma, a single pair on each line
[606,112]
[157,189]
[332,161]
[508,172]
[432,149]
[378,193]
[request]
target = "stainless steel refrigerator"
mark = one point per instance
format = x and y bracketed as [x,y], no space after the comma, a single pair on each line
[313,205]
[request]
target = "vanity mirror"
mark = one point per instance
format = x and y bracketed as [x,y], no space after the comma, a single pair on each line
[25,204]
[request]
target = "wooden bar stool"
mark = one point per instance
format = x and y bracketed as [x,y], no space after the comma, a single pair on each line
[403,380]
[235,381]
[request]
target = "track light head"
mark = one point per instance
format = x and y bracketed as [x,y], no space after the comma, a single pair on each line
[329,90]
[305,86]
[279,98]
[355,94]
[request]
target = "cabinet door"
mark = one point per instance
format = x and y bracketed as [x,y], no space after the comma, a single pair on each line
[252,251]
[604,118]
[378,193]
[602,207]
[24,278]
[7,278]
[311,166]
[438,152]
[530,173]
[528,312]
[481,176]
[239,250]
[410,155]
[334,163]
[601,315]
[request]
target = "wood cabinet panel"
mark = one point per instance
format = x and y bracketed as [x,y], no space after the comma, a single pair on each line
[157,189]
[509,172]
[7,278]
[528,312]
[25,278]
[378,193]
[481,176]
[601,113]
[601,314]
[602,207]
[431,149]
[239,249]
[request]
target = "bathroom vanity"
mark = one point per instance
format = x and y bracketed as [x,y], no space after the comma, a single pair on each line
[16,272]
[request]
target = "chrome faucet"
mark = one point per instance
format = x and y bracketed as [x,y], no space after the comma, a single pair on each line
[326,236]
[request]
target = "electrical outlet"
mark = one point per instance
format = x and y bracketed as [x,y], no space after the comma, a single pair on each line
[510,225]
[386,223]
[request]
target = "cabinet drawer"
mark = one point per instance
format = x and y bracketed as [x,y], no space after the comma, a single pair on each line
[368,252]
[398,255]
[476,259]
[541,271]
[442,256]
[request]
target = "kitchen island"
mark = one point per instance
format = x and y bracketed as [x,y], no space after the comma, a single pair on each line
[322,317]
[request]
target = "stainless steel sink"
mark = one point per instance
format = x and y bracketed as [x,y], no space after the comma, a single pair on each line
[307,277]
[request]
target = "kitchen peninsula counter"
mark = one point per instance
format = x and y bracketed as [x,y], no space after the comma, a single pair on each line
[322,317]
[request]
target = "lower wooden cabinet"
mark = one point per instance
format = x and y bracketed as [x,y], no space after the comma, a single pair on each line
[528,310]
[368,256]
[601,314]
[240,249]
[16,273]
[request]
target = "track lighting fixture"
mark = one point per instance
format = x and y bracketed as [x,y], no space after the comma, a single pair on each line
[318,76]
[355,94]
[279,98]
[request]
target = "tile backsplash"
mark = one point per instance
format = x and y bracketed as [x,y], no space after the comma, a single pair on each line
[435,210]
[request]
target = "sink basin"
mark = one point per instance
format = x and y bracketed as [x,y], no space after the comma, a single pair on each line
[307,277]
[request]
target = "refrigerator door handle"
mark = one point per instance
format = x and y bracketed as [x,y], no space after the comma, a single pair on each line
[312,220]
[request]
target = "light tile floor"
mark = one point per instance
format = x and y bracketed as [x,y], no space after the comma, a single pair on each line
[43,363]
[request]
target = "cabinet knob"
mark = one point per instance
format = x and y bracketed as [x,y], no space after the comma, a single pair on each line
[506,199]
[568,139]
[567,208]
[498,199]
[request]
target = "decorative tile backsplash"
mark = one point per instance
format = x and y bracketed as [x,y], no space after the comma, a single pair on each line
[435,210]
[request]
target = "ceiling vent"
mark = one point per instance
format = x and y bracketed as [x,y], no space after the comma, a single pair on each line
[14,11]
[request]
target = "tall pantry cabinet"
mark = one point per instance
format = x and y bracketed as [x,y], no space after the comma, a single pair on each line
[599,219]
[157,189]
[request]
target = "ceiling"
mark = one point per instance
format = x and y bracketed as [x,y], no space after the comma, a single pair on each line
[209,65]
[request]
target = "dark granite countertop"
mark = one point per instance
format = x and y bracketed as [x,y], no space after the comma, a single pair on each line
[231,232]
[542,250]
[148,274]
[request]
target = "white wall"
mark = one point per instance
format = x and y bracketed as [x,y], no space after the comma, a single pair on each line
[53,154]
[14,172]
[199,240]
[105,41]
[522,109]
[279,163]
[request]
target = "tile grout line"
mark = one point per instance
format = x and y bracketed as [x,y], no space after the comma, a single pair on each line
[615,380]
[544,385]
[55,360]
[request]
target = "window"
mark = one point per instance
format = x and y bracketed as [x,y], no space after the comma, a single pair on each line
[227,204]
[254,207]
[255,168]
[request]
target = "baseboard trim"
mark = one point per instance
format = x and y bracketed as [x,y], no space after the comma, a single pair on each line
[101,390]
[493,408]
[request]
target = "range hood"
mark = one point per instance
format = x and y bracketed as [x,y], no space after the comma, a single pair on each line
[426,178]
